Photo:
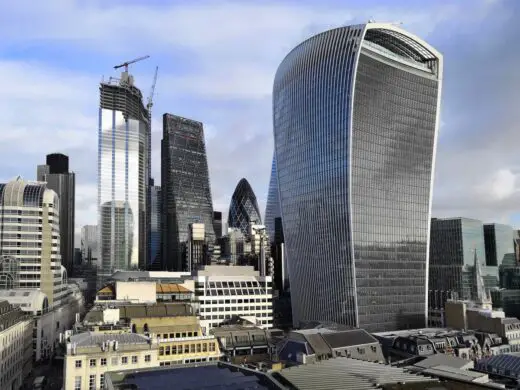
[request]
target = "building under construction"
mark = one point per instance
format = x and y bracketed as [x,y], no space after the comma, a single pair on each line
[124,169]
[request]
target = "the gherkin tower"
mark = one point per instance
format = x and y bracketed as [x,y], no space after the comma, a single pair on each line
[243,210]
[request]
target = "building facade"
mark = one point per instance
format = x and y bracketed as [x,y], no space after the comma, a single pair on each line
[243,209]
[15,346]
[123,176]
[227,292]
[89,244]
[355,116]
[30,237]
[58,178]
[272,207]
[217,223]
[155,226]
[90,355]
[186,191]
[499,244]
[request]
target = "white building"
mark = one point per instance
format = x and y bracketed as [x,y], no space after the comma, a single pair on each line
[30,236]
[48,322]
[90,355]
[224,292]
[15,346]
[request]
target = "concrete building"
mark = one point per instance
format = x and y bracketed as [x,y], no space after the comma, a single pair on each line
[30,238]
[47,322]
[15,346]
[223,292]
[90,355]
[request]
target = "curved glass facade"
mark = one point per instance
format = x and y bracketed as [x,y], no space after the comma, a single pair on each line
[123,177]
[272,207]
[243,209]
[355,121]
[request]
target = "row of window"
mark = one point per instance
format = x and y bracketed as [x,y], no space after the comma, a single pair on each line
[177,349]
[114,361]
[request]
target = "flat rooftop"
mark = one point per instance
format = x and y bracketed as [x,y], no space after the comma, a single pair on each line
[189,377]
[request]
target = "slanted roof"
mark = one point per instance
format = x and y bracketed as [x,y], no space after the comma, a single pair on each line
[107,290]
[348,338]
[317,343]
[440,359]
[347,374]
[171,288]
[156,310]
[91,339]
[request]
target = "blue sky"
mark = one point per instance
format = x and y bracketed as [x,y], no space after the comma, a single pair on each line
[216,64]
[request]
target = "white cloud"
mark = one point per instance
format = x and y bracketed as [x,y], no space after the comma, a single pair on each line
[217,61]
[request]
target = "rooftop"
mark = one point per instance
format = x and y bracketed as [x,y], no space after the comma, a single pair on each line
[171,288]
[199,376]
[90,339]
[440,359]
[350,373]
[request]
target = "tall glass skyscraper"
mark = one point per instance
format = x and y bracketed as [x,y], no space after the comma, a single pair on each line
[272,207]
[185,187]
[355,115]
[123,176]
[155,226]
[243,209]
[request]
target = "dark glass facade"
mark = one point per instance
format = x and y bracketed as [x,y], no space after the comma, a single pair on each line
[155,226]
[243,209]
[217,223]
[186,192]
[55,173]
[355,120]
[499,244]
[272,207]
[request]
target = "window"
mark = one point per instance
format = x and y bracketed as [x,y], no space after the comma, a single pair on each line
[102,381]
[103,361]
[78,363]
[92,363]
[77,383]
[92,382]
[147,358]
[174,349]
[134,359]
[124,360]
[114,361]
[212,347]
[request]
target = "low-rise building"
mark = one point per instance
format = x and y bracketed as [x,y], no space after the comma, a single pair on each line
[224,292]
[90,355]
[15,346]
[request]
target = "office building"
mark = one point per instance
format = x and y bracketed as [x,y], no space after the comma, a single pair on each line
[499,244]
[186,191]
[227,292]
[454,243]
[217,223]
[30,237]
[272,207]
[15,346]
[355,119]
[155,226]
[243,209]
[90,355]
[58,178]
[123,176]
[89,244]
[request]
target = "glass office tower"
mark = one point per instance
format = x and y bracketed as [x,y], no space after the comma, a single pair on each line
[155,226]
[243,209]
[185,187]
[499,243]
[123,176]
[355,115]
[272,207]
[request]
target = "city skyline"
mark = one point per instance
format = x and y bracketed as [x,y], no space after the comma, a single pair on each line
[476,171]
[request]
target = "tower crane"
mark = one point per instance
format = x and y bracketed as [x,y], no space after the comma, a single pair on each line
[149,104]
[125,64]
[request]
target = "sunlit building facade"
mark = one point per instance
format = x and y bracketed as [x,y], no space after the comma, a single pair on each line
[243,209]
[355,115]
[185,186]
[155,226]
[123,176]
